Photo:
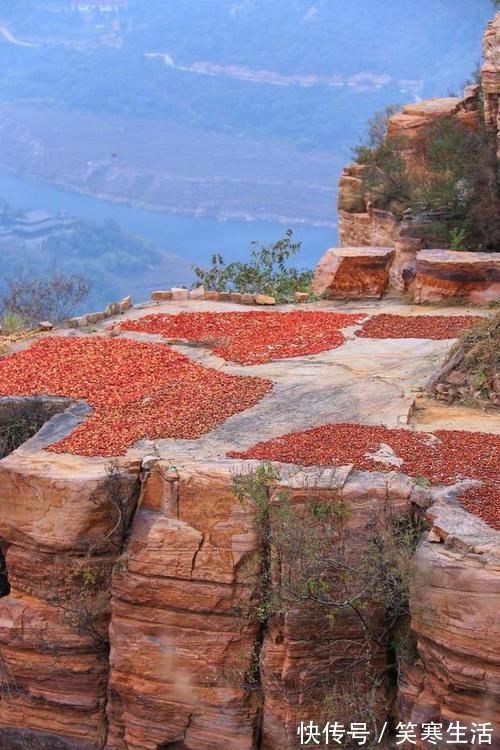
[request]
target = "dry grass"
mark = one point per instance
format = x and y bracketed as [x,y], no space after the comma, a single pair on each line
[471,374]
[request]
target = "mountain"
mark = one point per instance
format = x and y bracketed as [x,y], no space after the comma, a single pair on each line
[309,72]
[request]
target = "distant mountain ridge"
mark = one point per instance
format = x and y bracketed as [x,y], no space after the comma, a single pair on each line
[327,64]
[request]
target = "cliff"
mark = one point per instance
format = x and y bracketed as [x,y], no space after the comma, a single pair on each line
[419,192]
[132,619]
[234,524]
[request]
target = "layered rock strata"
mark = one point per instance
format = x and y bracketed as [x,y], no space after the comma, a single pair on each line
[57,532]
[490,78]
[300,652]
[455,601]
[181,637]
[353,272]
[442,274]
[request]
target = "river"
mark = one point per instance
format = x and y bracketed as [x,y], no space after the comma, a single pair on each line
[188,239]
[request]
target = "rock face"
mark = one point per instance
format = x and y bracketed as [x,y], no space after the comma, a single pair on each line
[294,664]
[361,224]
[184,638]
[442,274]
[53,624]
[413,117]
[456,676]
[490,78]
[181,637]
[353,272]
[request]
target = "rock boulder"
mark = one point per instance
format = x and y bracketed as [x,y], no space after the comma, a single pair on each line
[444,274]
[353,272]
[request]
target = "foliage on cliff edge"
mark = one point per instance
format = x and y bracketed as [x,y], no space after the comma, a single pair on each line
[471,374]
[447,177]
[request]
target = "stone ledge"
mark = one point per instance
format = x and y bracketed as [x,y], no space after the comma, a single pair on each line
[444,274]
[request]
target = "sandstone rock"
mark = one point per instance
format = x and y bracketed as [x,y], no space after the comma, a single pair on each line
[403,269]
[125,303]
[59,512]
[45,325]
[295,665]
[490,79]
[112,309]
[353,272]
[212,296]
[236,296]
[54,622]
[161,295]
[197,293]
[181,639]
[373,228]
[351,197]
[79,322]
[95,317]
[443,274]
[456,377]
[456,677]
[264,299]
[409,122]
[225,296]
[301,296]
[179,293]
[247,299]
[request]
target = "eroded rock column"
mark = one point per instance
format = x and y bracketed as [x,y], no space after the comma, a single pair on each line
[57,527]
[182,640]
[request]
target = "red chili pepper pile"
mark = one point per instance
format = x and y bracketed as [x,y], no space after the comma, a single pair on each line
[136,390]
[255,337]
[417,326]
[454,456]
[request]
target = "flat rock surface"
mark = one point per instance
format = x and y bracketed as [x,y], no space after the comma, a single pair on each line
[367,381]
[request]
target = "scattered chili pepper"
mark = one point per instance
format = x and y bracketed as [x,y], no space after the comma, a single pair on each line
[254,337]
[454,456]
[387,326]
[137,389]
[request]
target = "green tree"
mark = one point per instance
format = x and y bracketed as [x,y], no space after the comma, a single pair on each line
[266,271]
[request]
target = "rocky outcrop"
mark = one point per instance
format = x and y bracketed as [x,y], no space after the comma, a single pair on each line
[443,274]
[360,223]
[410,122]
[455,601]
[366,221]
[471,372]
[490,78]
[56,529]
[182,639]
[296,663]
[353,272]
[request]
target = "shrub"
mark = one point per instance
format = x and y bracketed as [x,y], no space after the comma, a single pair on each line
[21,419]
[471,372]
[11,323]
[449,176]
[52,298]
[357,596]
[265,273]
